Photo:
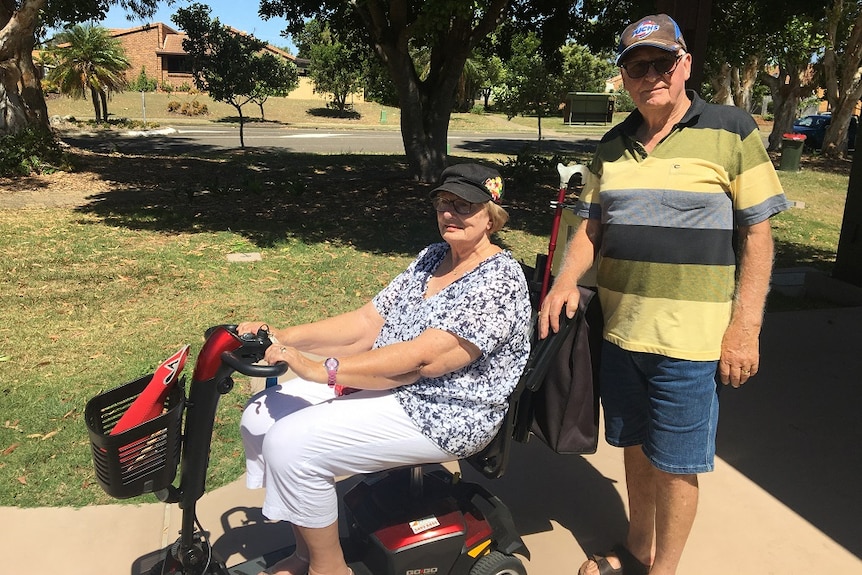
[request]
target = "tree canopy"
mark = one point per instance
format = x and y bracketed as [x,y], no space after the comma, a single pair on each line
[229,65]
[22,104]
[746,37]
[89,59]
[275,77]
[336,61]
[531,86]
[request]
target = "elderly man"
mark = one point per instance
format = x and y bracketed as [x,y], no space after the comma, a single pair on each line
[676,206]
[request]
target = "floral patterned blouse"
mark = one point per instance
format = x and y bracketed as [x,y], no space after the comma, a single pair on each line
[489,306]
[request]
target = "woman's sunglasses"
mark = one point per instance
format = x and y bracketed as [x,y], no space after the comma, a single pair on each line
[662,66]
[456,205]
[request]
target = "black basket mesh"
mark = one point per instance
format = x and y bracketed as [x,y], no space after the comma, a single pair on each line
[142,459]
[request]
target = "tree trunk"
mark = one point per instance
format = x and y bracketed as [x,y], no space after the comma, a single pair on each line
[693,18]
[539,125]
[426,104]
[721,86]
[241,126]
[94,96]
[786,90]
[103,98]
[843,83]
[784,112]
[426,107]
[836,132]
[22,104]
[848,261]
[339,98]
[743,83]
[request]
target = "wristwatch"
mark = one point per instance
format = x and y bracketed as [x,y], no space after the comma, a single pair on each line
[331,365]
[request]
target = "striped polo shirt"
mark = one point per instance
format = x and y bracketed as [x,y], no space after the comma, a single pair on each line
[667,267]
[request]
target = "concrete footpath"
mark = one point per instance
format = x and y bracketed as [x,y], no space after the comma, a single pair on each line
[784,498]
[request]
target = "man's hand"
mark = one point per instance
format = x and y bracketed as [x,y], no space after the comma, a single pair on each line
[740,355]
[740,346]
[580,255]
[549,314]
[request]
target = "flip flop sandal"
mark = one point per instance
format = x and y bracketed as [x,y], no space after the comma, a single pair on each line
[300,557]
[629,564]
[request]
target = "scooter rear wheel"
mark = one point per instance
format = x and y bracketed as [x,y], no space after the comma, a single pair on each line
[497,563]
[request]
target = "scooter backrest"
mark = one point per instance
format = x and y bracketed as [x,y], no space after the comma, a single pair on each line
[494,458]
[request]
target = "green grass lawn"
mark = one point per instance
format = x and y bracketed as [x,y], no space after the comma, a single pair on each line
[297,112]
[154,106]
[98,295]
[808,236]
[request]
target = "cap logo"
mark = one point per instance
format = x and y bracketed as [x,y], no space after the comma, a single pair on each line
[494,187]
[644,29]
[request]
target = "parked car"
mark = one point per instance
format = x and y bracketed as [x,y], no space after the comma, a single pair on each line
[814,128]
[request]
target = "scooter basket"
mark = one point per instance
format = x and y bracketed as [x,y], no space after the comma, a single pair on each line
[144,458]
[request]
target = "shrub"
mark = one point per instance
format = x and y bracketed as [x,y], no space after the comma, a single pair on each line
[184,87]
[166,87]
[530,168]
[624,102]
[143,83]
[32,150]
[192,108]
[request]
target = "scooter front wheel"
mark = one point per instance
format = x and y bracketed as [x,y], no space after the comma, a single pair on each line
[497,563]
[166,567]
[170,566]
[162,568]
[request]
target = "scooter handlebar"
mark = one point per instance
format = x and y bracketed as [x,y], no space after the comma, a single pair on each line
[224,347]
[253,370]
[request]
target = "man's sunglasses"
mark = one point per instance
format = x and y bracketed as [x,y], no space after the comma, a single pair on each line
[456,205]
[662,66]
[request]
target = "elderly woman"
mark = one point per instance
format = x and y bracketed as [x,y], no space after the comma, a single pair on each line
[432,360]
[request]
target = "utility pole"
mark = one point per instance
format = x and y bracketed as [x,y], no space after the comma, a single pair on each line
[848,261]
[693,17]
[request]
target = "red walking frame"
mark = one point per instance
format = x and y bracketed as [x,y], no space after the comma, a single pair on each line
[570,176]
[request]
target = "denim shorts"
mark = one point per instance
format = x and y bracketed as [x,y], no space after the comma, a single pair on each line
[668,406]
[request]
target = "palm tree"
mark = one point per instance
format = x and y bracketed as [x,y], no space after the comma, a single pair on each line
[89,58]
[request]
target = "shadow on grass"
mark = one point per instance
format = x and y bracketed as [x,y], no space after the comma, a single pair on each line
[248,120]
[370,202]
[268,196]
[332,113]
[516,145]
[789,255]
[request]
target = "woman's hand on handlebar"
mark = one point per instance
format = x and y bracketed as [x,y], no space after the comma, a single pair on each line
[300,364]
[252,327]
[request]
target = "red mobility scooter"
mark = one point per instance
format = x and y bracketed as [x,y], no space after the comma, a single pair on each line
[419,520]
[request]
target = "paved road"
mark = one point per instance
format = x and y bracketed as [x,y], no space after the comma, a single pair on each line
[314,140]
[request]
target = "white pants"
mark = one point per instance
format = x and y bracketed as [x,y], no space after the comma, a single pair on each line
[299,437]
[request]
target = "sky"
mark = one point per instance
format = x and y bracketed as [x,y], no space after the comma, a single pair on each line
[241,15]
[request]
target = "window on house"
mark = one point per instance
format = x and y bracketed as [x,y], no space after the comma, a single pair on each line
[178,64]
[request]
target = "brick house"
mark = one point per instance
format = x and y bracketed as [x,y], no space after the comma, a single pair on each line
[158,49]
